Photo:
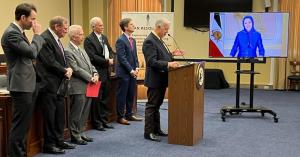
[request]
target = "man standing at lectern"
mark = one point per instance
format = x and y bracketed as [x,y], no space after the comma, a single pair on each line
[159,60]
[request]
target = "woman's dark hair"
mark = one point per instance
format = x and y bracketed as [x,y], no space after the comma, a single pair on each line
[252,20]
[23,9]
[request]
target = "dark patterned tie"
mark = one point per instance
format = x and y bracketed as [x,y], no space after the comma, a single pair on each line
[26,39]
[166,47]
[62,50]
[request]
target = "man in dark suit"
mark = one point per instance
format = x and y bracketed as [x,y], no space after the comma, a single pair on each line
[83,73]
[97,47]
[126,71]
[158,60]
[53,68]
[21,74]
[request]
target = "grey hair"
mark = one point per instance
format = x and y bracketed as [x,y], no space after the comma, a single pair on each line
[73,29]
[59,20]
[94,20]
[162,22]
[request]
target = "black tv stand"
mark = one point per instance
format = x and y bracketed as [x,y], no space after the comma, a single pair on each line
[239,109]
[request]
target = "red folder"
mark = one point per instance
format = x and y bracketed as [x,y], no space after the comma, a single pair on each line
[92,89]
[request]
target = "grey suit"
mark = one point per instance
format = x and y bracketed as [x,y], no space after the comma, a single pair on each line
[19,54]
[21,83]
[83,71]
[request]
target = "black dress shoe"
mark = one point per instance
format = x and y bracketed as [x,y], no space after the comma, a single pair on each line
[105,125]
[87,139]
[53,150]
[152,137]
[100,128]
[79,141]
[161,133]
[65,145]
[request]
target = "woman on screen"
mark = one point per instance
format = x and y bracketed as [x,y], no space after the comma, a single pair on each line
[247,41]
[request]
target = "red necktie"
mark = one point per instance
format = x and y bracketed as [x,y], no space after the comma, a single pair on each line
[131,42]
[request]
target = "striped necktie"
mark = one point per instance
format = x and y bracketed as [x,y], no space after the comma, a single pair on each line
[24,35]
[131,42]
[62,50]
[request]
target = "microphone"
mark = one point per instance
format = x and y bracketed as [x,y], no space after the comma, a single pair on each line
[177,47]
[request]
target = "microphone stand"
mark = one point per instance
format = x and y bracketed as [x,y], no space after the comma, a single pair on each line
[177,47]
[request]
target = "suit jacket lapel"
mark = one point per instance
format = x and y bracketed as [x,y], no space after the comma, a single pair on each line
[126,40]
[124,37]
[57,48]
[96,40]
[85,58]
[78,53]
[161,45]
[16,28]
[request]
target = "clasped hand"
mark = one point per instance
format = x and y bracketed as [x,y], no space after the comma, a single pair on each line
[95,79]
[134,73]
[69,72]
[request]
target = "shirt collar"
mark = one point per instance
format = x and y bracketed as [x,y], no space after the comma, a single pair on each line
[128,36]
[20,28]
[53,34]
[75,46]
[98,35]
[156,35]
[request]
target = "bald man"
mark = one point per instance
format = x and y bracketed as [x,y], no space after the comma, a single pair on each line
[97,47]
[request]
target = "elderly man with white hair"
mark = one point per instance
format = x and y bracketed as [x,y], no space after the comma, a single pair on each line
[159,59]
[83,73]
[97,47]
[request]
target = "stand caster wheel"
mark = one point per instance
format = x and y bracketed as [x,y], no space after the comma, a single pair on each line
[235,113]
[262,114]
[275,120]
[223,119]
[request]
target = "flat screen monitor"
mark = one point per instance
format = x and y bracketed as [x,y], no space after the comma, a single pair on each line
[196,12]
[248,34]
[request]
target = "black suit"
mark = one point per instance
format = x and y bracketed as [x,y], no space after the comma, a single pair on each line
[157,57]
[51,66]
[95,50]
[21,84]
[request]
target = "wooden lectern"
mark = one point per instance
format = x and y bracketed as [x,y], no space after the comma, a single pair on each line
[186,104]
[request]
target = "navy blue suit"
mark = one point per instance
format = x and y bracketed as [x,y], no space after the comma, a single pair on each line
[126,62]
